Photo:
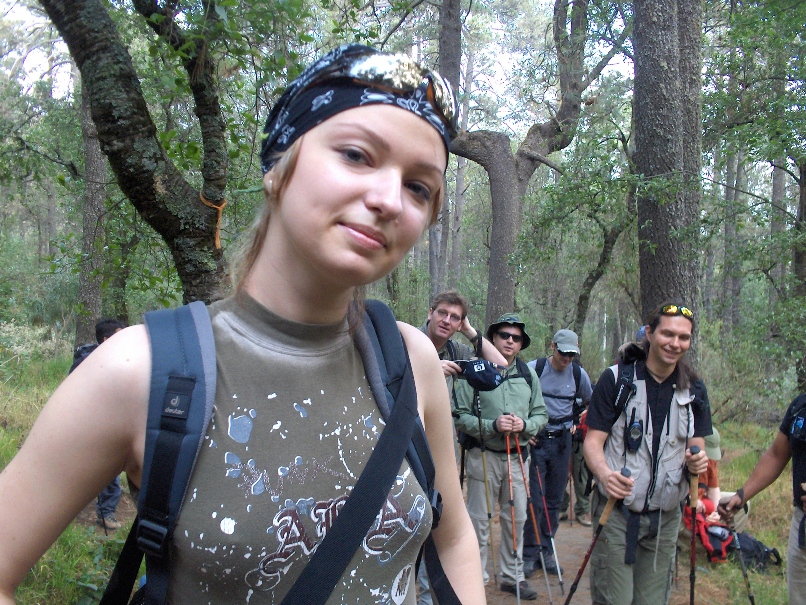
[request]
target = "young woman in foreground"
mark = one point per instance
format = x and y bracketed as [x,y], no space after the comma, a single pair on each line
[354,161]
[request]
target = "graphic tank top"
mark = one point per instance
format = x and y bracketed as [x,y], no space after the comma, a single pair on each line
[293,425]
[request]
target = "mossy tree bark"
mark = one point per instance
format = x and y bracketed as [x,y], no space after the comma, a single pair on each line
[128,136]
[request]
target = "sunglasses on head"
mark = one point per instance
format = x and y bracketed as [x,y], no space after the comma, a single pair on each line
[396,73]
[567,353]
[516,338]
[678,310]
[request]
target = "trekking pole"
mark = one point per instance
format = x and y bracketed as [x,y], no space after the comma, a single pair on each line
[551,533]
[512,518]
[736,541]
[531,506]
[693,487]
[486,489]
[611,502]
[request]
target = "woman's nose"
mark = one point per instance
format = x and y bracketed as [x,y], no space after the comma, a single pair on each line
[385,194]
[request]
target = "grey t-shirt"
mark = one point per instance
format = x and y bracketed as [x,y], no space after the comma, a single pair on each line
[293,426]
[562,383]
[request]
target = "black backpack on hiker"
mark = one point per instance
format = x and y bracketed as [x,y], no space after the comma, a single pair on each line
[183,385]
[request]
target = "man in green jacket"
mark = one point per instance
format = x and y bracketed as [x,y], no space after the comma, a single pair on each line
[516,409]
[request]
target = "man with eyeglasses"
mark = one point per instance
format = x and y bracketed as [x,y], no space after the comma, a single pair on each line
[646,414]
[447,316]
[551,448]
[507,417]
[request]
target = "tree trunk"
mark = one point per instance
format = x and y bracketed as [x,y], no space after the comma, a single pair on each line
[128,136]
[89,278]
[509,174]
[777,225]
[667,263]
[457,241]
[609,238]
[729,244]
[799,262]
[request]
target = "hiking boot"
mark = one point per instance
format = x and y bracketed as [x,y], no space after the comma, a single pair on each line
[529,567]
[585,520]
[564,516]
[551,565]
[527,592]
[109,522]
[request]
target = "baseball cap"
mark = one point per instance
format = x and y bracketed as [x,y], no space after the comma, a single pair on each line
[567,341]
[712,446]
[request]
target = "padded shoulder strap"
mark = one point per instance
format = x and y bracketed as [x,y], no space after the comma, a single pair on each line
[577,370]
[625,386]
[523,371]
[390,351]
[393,358]
[183,383]
[540,365]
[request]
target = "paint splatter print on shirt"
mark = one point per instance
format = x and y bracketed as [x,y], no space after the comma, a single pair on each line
[293,426]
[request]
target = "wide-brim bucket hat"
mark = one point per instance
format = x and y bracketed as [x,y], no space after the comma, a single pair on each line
[512,319]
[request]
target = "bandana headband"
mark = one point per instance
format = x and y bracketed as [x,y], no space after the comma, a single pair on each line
[354,76]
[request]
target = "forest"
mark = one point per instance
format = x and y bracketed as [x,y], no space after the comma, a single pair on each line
[611,155]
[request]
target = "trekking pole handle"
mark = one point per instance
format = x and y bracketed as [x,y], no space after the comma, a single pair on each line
[611,501]
[693,482]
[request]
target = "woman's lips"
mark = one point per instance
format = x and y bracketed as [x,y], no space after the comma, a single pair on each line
[370,236]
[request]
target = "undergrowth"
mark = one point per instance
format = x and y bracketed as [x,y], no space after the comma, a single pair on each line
[769,521]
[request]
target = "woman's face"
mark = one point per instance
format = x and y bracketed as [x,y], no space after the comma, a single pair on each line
[359,198]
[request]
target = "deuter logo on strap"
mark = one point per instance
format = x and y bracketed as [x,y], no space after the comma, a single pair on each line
[177,397]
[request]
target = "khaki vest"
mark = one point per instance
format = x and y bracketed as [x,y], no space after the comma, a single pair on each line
[667,488]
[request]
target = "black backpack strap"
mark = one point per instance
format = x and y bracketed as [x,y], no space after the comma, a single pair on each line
[334,552]
[448,345]
[522,372]
[540,365]
[625,386]
[183,383]
[389,348]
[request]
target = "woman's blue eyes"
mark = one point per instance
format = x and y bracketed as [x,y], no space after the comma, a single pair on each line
[356,156]
[420,190]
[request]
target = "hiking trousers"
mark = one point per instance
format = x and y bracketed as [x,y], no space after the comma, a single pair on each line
[648,581]
[579,475]
[510,568]
[796,563]
[551,460]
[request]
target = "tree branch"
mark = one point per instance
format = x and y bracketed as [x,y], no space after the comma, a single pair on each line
[536,157]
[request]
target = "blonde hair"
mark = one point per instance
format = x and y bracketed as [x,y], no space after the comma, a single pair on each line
[251,241]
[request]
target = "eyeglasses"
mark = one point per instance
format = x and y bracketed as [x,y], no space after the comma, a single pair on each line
[516,338]
[396,73]
[442,314]
[678,310]
[571,354]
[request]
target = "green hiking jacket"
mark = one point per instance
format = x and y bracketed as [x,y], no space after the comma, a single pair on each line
[514,395]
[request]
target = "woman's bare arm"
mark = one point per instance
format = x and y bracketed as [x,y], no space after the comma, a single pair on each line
[455,538]
[91,429]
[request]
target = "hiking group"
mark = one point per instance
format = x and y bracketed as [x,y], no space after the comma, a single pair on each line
[262,417]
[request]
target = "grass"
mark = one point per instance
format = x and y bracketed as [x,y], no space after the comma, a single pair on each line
[76,568]
[769,520]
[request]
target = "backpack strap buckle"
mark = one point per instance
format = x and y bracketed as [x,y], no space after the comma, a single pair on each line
[436,508]
[151,537]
